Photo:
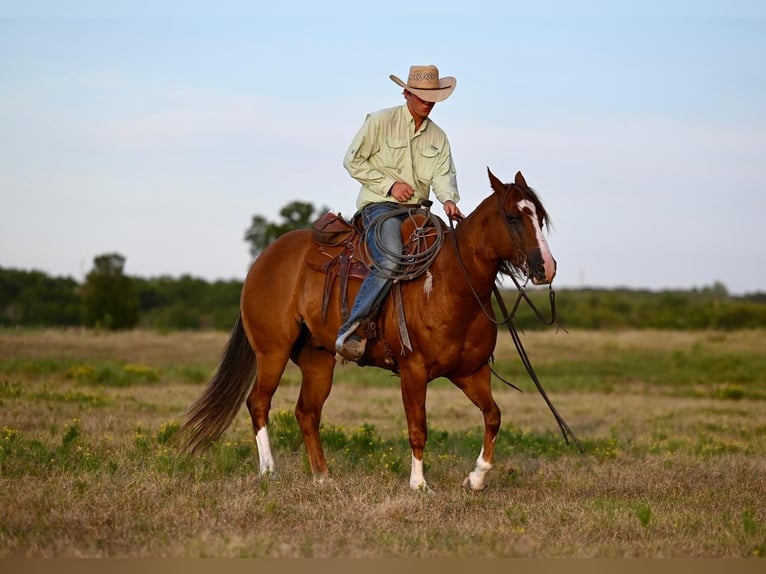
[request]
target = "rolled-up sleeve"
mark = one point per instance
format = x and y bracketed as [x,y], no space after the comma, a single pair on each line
[444,183]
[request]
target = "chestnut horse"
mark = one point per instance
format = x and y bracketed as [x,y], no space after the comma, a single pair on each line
[450,326]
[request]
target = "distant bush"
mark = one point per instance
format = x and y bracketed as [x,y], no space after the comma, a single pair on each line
[30,298]
[187,303]
[641,309]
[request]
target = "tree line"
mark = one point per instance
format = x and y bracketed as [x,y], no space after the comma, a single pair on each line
[706,308]
[109,299]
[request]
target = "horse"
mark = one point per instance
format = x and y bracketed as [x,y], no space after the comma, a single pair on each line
[450,324]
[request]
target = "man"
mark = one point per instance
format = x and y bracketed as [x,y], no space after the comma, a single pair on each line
[399,155]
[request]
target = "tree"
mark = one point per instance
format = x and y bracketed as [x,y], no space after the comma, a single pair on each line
[33,298]
[295,215]
[109,299]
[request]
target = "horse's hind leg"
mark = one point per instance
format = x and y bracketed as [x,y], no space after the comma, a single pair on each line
[317,368]
[268,373]
[477,388]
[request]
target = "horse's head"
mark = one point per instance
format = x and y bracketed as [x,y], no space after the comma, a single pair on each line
[525,218]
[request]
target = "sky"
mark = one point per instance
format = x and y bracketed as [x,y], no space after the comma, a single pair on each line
[158,130]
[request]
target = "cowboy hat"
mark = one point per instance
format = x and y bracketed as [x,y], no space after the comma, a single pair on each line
[425,83]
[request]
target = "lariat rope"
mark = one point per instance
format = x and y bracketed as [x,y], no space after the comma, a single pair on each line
[408,265]
[507,320]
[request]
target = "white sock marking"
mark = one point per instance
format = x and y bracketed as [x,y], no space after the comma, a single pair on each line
[478,475]
[265,459]
[417,481]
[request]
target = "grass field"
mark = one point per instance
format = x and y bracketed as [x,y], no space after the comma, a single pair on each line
[673,424]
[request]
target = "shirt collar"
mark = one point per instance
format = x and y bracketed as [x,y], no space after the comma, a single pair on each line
[410,120]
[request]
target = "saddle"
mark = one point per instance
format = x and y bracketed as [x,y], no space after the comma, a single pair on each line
[339,253]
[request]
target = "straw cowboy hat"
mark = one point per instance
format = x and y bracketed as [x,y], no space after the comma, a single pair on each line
[425,83]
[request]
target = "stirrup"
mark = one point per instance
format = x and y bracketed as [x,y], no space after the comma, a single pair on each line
[341,340]
[351,350]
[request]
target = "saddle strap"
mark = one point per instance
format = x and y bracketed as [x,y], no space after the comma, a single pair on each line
[329,281]
[401,320]
[338,269]
[345,265]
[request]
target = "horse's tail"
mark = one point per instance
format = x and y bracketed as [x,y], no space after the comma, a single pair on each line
[212,413]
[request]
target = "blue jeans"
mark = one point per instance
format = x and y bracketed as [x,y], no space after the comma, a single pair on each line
[375,287]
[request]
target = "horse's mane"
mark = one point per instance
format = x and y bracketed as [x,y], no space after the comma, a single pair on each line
[530,194]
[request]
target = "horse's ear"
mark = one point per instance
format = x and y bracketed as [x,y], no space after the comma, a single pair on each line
[496,184]
[520,181]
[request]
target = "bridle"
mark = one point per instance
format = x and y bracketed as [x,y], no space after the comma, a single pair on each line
[508,317]
[521,288]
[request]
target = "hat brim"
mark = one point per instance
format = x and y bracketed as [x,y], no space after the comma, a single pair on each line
[444,91]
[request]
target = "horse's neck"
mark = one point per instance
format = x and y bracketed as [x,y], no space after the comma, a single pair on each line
[476,255]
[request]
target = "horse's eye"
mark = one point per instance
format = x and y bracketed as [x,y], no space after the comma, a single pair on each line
[512,219]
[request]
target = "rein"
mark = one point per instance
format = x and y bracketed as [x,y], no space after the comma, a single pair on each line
[507,320]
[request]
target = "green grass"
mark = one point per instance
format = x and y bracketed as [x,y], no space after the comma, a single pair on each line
[103,373]
[89,467]
[730,375]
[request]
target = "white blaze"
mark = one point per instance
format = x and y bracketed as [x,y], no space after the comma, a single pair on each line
[545,252]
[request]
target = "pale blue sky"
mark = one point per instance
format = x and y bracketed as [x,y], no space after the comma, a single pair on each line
[159,132]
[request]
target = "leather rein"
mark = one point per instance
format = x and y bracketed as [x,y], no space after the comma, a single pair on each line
[507,320]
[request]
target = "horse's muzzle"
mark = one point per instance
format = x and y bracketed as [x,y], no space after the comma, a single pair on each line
[543,272]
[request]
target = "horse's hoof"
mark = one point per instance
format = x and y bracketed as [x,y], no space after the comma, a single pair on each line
[266,478]
[323,480]
[468,485]
[425,490]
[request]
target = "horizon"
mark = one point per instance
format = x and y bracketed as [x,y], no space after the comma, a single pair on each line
[716,285]
[131,129]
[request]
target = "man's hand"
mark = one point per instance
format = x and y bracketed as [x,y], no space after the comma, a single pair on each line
[401,191]
[452,210]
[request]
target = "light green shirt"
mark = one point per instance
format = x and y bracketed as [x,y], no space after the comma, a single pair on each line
[386,150]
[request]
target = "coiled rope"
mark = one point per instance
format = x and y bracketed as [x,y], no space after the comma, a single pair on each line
[411,265]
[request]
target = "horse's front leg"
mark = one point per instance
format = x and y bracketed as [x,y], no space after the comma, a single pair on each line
[414,400]
[477,387]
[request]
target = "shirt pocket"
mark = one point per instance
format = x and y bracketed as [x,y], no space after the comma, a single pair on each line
[395,155]
[426,160]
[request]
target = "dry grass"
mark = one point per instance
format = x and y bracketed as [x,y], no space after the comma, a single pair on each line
[87,470]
